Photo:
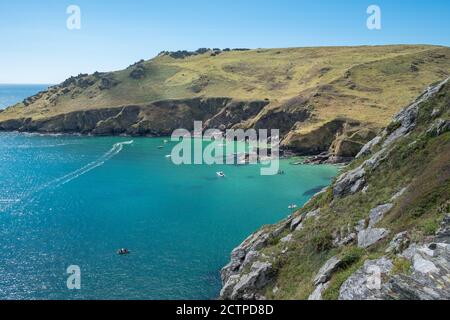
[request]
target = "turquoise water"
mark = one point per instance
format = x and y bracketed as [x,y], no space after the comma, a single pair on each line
[72,200]
[11,94]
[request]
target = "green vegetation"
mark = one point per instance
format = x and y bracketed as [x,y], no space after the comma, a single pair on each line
[368,84]
[419,161]
[401,265]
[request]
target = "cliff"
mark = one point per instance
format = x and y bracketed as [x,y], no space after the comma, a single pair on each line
[324,100]
[380,231]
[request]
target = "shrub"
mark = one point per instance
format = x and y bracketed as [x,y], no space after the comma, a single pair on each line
[401,265]
[322,241]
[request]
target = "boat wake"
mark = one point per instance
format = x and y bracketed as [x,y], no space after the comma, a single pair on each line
[56,183]
[116,148]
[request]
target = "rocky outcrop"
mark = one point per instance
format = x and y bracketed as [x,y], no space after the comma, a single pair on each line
[234,113]
[371,236]
[405,120]
[157,119]
[428,277]
[365,284]
[245,256]
[350,182]
[327,270]
[377,214]
[245,286]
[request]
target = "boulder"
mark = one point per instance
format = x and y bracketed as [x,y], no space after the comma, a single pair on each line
[428,278]
[350,182]
[377,214]
[327,270]
[317,294]
[366,282]
[246,285]
[370,236]
[399,194]
[296,221]
[368,147]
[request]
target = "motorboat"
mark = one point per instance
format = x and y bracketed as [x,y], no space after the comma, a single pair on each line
[123,251]
[220,174]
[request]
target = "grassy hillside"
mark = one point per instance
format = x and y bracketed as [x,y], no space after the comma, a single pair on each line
[407,170]
[363,83]
[322,99]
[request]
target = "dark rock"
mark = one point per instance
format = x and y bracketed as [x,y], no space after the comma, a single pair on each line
[138,73]
[107,83]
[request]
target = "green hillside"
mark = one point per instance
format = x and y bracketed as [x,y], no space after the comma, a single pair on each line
[305,88]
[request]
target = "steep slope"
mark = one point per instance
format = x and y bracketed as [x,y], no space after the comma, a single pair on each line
[380,231]
[313,95]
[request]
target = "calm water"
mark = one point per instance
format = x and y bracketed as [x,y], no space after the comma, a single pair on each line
[11,94]
[68,200]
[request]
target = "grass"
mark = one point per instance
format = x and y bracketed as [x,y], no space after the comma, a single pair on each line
[364,83]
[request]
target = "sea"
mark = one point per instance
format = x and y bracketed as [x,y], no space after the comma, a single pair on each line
[11,94]
[68,203]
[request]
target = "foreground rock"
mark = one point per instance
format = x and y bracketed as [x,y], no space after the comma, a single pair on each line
[365,284]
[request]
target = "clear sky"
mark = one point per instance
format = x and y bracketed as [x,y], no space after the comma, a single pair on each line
[37,47]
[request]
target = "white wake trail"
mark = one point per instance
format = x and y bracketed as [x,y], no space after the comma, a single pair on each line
[56,183]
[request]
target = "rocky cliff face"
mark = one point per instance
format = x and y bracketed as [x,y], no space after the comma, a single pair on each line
[380,231]
[156,119]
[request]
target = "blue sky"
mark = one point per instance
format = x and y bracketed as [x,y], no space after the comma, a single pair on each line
[36,46]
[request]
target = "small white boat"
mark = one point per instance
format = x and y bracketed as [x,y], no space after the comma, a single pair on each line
[166,141]
[168,156]
[220,174]
[293,206]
